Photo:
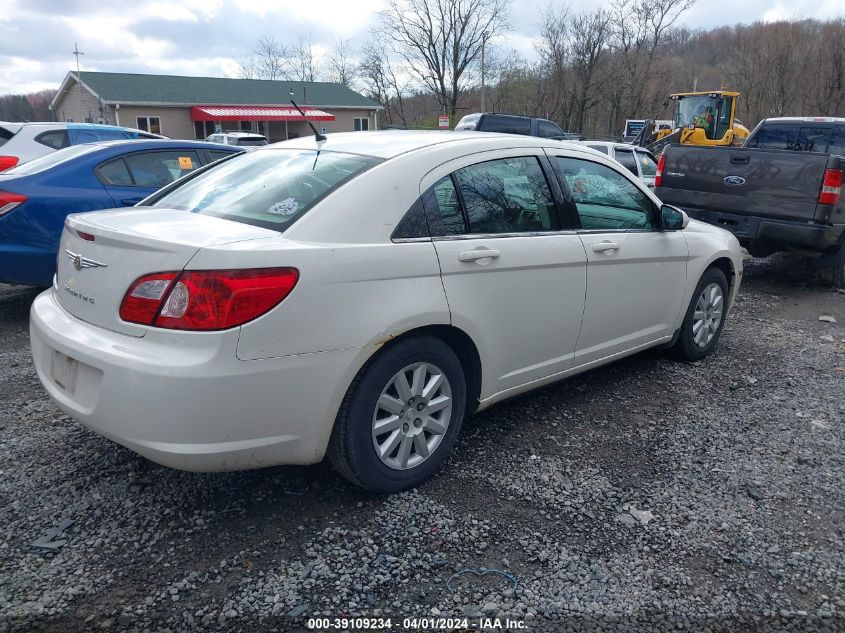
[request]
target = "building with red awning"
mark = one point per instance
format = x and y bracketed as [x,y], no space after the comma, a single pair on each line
[196,107]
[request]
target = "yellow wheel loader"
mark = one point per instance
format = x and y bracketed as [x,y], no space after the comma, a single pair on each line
[700,118]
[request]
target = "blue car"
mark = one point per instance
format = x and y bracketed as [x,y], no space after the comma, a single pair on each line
[36,197]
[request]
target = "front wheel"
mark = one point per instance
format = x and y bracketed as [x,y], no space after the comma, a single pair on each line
[705,316]
[401,416]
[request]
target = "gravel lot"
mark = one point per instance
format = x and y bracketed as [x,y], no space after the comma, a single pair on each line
[647,495]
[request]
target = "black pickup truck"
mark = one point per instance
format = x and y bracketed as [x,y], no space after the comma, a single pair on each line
[779,191]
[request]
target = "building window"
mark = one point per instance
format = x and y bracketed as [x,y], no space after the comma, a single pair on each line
[362,124]
[150,124]
[203,129]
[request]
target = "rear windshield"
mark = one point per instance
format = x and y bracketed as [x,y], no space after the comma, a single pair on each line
[5,135]
[251,142]
[269,188]
[507,124]
[51,160]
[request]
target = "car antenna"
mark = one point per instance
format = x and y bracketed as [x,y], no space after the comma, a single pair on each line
[319,137]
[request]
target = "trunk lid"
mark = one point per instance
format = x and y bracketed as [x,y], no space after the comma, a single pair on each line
[92,276]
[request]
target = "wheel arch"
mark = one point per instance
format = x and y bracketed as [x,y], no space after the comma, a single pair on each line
[465,349]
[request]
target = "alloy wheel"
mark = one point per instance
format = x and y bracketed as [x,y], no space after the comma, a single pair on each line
[411,416]
[708,315]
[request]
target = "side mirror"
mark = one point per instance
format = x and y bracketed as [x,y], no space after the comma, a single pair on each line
[673,218]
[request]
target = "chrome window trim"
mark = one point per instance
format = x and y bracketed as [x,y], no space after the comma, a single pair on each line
[409,240]
[591,231]
[491,236]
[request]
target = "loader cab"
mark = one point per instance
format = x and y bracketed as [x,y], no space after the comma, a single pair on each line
[709,117]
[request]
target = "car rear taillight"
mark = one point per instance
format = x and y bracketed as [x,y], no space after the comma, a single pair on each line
[206,299]
[831,186]
[7,162]
[658,176]
[9,201]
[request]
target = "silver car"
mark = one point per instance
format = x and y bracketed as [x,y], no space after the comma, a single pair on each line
[21,142]
[637,160]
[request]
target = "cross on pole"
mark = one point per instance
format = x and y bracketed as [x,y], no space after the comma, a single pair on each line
[77,53]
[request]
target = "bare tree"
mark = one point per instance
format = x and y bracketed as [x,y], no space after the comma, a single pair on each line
[340,62]
[377,73]
[302,62]
[267,61]
[440,40]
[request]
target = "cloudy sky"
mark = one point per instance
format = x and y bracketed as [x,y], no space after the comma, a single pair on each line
[204,37]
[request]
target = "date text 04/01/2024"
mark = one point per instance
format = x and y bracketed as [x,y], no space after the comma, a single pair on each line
[506,624]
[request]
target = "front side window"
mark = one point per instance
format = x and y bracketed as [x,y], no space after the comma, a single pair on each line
[605,199]
[626,157]
[509,195]
[362,124]
[269,188]
[149,124]
[157,169]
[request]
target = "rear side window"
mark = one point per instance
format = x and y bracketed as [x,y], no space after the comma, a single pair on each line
[157,169]
[507,124]
[56,139]
[445,215]
[837,141]
[217,155]
[114,173]
[5,135]
[547,129]
[774,137]
[268,188]
[506,196]
[626,157]
[601,148]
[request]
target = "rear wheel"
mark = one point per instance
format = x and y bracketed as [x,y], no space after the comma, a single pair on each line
[401,416]
[705,316]
[833,271]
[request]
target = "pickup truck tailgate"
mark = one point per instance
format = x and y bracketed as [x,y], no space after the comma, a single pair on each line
[768,183]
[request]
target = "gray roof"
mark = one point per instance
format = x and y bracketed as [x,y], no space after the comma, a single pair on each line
[136,88]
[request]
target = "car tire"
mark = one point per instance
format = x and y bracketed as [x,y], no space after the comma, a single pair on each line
[705,317]
[392,434]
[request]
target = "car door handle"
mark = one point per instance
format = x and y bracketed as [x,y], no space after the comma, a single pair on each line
[479,253]
[602,247]
[130,202]
[740,160]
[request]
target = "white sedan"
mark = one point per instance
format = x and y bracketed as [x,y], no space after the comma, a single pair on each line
[359,297]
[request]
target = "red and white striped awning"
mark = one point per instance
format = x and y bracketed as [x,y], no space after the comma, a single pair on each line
[256,113]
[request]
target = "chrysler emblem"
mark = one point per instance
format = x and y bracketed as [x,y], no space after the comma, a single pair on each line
[79,262]
[734,181]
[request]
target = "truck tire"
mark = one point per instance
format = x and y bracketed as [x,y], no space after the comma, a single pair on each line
[832,270]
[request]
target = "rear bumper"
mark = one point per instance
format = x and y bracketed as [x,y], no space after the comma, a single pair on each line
[183,399]
[779,234]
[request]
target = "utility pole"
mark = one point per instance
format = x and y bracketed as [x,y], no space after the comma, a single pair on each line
[483,43]
[77,53]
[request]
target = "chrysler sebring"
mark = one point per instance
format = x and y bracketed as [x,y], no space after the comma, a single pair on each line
[357,297]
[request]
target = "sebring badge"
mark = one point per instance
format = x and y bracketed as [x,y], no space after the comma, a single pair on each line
[79,262]
[734,181]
